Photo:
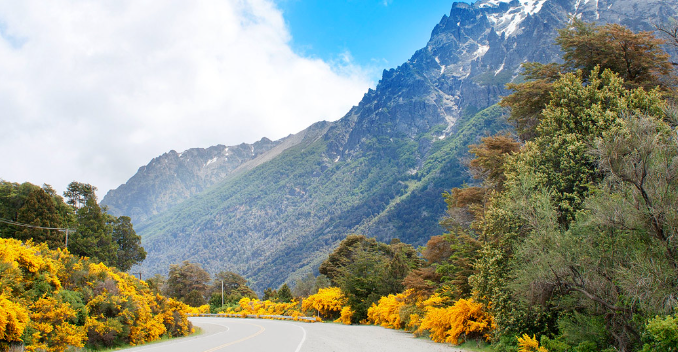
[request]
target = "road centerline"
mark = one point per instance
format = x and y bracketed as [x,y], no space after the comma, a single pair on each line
[262,329]
[303,339]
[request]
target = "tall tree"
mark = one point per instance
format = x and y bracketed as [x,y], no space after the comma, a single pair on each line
[188,282]
[234,288]
[39,209]
[128,243]
[636,57]
[366,270]
[78,193]
[284,294]
[93,237]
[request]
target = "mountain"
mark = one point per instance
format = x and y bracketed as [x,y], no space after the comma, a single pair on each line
[172,177]
[380,170]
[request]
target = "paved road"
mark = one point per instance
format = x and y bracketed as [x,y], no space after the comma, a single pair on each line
[254,335]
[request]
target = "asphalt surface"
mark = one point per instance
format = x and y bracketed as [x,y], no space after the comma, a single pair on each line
[253,335]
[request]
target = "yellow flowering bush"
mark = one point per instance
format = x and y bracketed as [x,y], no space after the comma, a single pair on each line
[529,344]
[51,300]
[327,302]
[52,323]
[387,311]
[465,319]
[173,314]
[346,315]
[204,309]
[248,306]
[13,321]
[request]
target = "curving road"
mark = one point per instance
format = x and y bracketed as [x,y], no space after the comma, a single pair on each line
[253,335]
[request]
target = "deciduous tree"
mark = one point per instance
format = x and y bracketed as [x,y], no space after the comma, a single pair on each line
[187,282]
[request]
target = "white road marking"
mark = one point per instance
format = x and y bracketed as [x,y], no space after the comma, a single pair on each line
[187,339]
[303,339]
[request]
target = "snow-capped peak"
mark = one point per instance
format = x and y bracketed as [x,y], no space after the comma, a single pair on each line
[508,22]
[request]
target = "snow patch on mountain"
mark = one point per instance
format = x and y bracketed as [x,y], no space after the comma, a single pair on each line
[508,22]
[211,161]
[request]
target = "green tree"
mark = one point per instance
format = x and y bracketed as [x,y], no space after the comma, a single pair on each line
[93,237]
[578,113]
[29,204]
[636,57]
[270,294]
[77,193]
[615,263]
[578,245]
[366,270]
[234,288]
[39,209]
[128,243]
[284,294]
[188,282]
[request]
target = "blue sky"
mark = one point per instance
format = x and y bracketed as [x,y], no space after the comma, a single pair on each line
[379,34]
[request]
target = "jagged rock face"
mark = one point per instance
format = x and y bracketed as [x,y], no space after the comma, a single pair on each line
[173,177]
[379,170]
[472,54]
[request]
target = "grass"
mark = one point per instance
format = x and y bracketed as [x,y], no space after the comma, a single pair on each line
[197,331]
[476,346]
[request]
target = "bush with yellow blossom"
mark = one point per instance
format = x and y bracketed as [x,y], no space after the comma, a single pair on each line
[327,303]
[463,320]
[529,344]
[387,311]
[248,306]
[51,300]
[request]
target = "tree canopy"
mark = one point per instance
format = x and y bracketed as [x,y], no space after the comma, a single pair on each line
[42,216]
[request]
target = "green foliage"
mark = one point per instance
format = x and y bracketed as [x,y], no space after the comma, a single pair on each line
[309,285]
[187,282]
[284,294]
[129,250]
[577,114]
[637,58]
[97,234]
[93,237]
[39,209]
[270,294]
[77,193]
[366,270]
[661,334]
[579,243]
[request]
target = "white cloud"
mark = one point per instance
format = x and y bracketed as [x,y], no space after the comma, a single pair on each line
[91,90]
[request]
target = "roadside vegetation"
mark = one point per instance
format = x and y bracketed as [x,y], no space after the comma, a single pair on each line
[566,241]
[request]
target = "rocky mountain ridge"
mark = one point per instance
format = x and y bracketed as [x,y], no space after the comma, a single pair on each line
[173,177]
